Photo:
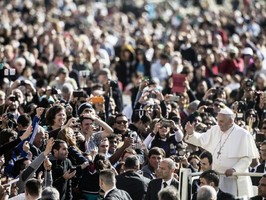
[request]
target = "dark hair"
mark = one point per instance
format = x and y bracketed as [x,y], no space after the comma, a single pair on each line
[51,112]
[211,176]
[108,177]
[57,145]
[164,56]
[132,162]
[119,167]
[120,115]
[156,151]
[100,162]
[33,187]
[113,136]
[19,165]
[129,150]
[24,120]
[6,134]
[207,155]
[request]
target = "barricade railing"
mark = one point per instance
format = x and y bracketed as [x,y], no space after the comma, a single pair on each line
[186,180]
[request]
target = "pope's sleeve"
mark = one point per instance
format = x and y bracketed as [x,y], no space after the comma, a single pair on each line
[243,164]
[200,139]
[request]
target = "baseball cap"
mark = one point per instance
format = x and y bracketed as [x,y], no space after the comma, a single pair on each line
[247,51]
[83,106]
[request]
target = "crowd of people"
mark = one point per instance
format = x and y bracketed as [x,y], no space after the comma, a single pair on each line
[196,78]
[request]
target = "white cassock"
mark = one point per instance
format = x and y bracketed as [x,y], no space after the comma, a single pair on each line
[237,149]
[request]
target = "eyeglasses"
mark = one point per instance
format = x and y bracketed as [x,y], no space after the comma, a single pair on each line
[164,126]
[121,122]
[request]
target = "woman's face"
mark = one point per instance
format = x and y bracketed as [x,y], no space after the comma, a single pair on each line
[164,131]
[72,136]
[60,118]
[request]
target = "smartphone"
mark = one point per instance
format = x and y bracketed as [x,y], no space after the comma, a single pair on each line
[22,83]
[166,123]
[78,94]
[97,99]
[174,98]
[72,169]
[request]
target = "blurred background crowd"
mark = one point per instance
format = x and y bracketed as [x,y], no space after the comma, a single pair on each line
[119,78]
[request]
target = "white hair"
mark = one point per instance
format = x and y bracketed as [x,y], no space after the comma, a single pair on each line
[207,192]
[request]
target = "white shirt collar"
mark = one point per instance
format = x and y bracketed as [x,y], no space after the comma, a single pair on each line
[168,182]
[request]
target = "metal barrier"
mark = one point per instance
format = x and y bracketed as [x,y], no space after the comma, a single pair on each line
[186,179]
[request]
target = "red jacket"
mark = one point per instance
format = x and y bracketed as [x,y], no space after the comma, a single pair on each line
[228,66]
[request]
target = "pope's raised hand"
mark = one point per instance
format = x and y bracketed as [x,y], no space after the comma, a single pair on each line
[189,128]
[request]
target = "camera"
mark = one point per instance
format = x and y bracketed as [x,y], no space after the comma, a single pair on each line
[78,94]
[13,98]
[22,83]
[10,116]
[166,123]
[242,106]
[72,169]
[219,90]
[54,91]
[134,135]
[248,83]
[174,98]
[178,158]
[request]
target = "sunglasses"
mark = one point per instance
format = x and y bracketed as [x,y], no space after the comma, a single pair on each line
[121,122]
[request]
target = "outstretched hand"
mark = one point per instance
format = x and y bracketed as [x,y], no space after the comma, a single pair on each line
[189,128]
[49,146]
[27,133]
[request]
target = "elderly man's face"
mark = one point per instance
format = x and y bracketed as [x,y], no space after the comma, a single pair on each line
[224,122]
[39,139]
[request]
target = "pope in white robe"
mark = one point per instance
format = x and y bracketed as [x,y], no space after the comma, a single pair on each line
[232,148]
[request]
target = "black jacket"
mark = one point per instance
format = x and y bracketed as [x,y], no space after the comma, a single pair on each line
[135,184]
[259,169]
[256,198]
[59,167]
[117,194]
[155,186]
